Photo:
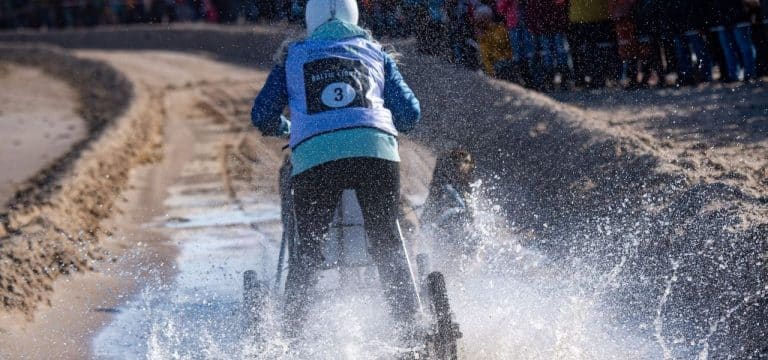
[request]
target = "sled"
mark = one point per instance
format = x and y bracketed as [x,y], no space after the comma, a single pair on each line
[346,249]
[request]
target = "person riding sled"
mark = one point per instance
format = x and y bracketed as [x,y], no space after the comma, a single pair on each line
[347,103]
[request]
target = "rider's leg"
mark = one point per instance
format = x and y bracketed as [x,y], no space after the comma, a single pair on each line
[316,195]
[378,188]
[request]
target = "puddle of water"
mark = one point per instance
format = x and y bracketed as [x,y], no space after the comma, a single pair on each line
[198,315]
[222,216]
[167,321]
[203,200]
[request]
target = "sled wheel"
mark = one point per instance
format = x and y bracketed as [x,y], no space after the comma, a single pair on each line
[255,292]
[446,331]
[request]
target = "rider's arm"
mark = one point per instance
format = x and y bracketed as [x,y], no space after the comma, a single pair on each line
[268,107]
[399,98]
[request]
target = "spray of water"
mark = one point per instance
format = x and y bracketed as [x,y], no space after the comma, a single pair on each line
[511,302]
[514,303]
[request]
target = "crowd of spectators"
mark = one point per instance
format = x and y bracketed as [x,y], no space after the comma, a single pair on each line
[385,17]
[542,44]
[545,44]
[50,14]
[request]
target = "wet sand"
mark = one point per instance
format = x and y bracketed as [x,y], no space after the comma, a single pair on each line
[83,303]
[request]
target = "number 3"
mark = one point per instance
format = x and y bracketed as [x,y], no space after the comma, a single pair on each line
[339,94]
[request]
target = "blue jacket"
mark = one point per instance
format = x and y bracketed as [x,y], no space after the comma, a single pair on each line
[273,99]
[336,84]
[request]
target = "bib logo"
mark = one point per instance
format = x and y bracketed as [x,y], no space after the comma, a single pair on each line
[335,83]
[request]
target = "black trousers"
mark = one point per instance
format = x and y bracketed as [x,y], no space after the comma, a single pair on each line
[317,193]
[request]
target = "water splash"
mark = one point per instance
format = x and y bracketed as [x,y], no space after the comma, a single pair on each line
[511,302]
[514,303]
[658,322]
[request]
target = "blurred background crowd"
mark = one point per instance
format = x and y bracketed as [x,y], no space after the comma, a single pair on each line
[545,44]
[542,44]
[48,14]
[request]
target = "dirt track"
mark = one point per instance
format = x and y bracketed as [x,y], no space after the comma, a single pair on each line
[611,192]
[38,122]
[168,90]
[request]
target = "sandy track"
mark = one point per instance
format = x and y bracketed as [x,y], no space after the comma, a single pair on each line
[82,303]
[102,95]
[49,226]
[38,122]
[712,133]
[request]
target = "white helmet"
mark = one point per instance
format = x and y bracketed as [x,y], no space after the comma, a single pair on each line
[318,12]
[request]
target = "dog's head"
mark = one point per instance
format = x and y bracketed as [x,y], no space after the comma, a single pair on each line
[455,166]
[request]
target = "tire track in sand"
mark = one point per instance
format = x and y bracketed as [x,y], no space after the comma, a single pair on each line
[193,145]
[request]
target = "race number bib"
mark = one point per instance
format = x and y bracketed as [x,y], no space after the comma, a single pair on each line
[335,83]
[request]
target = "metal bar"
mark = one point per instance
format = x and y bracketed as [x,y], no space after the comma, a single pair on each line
[283,246]
[410,271]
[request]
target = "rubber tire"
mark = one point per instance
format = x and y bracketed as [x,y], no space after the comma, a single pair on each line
[446,330]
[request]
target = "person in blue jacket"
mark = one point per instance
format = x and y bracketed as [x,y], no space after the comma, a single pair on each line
[347,103]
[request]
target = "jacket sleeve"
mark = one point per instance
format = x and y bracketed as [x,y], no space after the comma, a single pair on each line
[399,98]
[266,114]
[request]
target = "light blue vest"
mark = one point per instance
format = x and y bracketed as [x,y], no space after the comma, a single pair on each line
[335,84]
